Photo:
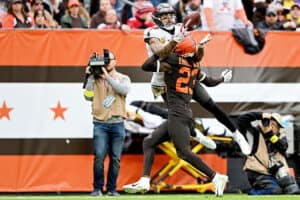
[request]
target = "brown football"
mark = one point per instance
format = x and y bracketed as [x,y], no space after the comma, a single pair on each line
[192,21]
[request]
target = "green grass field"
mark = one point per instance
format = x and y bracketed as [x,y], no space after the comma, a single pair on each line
[151,197]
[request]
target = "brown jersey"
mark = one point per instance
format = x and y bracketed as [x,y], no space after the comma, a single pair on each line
[180,81]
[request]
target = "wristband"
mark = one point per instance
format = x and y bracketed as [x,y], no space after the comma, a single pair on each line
[157,65]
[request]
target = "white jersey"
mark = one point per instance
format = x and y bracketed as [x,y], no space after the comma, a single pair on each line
[164,37]
[223,12]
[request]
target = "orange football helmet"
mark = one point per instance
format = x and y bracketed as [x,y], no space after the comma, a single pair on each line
[186,48]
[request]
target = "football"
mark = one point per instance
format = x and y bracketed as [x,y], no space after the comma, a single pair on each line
[192,21]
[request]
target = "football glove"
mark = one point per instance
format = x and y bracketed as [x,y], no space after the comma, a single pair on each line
[158,90]
[227,75]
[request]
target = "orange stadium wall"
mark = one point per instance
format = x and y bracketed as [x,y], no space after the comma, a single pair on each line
[72,48]
[53,163]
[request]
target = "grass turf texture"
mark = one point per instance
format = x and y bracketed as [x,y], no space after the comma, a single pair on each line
[149,197]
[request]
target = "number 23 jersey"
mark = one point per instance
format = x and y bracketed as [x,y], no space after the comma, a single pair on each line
[180,81]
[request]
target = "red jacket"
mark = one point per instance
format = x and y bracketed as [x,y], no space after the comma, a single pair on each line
[135,23]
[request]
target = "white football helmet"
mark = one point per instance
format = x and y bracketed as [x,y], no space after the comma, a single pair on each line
[162,9]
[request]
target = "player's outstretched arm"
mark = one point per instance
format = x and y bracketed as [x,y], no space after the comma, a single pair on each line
[153,64]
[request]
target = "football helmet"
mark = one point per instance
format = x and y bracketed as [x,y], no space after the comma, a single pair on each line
[162,9]
[186,48]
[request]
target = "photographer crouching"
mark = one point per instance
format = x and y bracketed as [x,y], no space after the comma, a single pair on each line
[107,89]
[266,166]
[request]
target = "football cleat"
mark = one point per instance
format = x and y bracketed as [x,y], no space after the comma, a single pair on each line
[219,182]
[141,186]
[240,139]
[205,141]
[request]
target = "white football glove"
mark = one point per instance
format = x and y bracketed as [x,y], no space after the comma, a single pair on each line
[157,90]
[206,39]
[182,33]
[227,75]
[179,37]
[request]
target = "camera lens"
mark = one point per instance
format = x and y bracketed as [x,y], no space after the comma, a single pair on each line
[265,122]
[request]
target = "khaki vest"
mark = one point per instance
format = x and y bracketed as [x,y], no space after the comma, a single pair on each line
[262,154]
[101,90]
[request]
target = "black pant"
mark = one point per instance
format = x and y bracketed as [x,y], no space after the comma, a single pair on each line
[202,97]
[179,129]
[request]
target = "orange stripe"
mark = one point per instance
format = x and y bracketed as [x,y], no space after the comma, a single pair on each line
[74,47]
[51,173]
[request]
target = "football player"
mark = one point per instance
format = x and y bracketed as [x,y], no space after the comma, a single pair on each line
[181,72]
[160,41]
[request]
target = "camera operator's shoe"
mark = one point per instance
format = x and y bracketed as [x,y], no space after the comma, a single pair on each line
[205,141]
[240,139]
[219,182]
[96,193]
[141,186]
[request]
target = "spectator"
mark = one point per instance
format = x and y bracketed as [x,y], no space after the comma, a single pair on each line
[85,14]
[287,3]
[3,11]
[98,17]
[129,10]
[40,19]
[271,22]
[118,5]
[143,18]
[48,6]
[266,167]
[295,15]
[58,9]
[107,91]
[259,12]
[72,19]
[184,7]
[140,4]
[221,15]
[38,5]
[16,16]
[282,14]
[110,20]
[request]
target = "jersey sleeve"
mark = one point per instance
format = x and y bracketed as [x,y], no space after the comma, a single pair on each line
[150,33]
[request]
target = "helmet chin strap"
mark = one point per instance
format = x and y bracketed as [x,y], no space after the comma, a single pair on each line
[171,30]
[169,27]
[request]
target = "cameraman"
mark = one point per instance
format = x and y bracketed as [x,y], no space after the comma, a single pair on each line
[107,89]
[266,166]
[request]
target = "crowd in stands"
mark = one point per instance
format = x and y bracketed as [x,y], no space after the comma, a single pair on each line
[216,15]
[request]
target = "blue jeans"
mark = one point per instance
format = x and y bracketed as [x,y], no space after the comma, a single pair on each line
[108,139]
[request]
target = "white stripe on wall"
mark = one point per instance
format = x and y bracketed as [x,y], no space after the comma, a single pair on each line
[236,92]
[31,116]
